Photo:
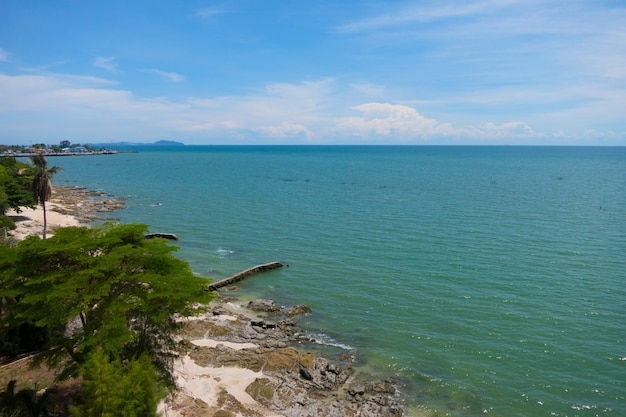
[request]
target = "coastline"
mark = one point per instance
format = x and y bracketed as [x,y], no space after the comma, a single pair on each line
[242,360]
[69,206]
[237,360]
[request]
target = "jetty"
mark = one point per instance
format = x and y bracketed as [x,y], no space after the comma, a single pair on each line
[170,236]
[244,274]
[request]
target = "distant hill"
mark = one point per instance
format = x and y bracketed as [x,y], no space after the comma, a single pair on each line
[168,143]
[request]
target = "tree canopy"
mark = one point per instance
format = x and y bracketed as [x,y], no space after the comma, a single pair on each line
[15,189]
[104,288]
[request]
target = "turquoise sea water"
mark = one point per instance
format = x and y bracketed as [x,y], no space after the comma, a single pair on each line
[490,280]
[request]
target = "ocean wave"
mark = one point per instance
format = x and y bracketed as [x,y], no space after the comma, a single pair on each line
[325,340]
[222,253]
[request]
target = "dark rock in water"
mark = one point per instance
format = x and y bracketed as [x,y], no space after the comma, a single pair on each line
[298,310]
[266,306]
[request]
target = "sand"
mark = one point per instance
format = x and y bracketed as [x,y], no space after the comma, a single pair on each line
[30,221]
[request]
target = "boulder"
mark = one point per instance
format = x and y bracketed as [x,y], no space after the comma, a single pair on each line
[265,306]
[298,310]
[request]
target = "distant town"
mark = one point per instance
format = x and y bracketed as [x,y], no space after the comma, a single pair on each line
[64,148]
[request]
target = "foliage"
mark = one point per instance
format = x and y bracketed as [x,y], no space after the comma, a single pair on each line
[15,191]
[104,288]
[111,389]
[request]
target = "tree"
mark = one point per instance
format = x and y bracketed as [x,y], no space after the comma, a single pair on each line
[42,183]
[15,187]
[14,190]
[111,389]
[104,288]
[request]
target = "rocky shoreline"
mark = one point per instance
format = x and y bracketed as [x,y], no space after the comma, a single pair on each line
[263,341]
[241,359]
[84,204]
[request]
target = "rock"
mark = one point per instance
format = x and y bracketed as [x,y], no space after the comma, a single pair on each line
[305,373]
[356,389]
[263,324]
[220,311]
[266,306]
[298,310]
[293,383]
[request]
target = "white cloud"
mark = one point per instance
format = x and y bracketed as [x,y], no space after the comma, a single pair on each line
[403,123]
[417,13]
[169,76]
[392,120]
[285,130]
[106,63]
[89,108]
[4,57]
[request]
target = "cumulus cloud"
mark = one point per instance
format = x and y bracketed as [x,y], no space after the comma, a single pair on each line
[4,57]
[404,123]
[169,76]
[399,121]
[106,63]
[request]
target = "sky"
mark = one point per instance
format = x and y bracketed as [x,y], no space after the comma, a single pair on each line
[410,72]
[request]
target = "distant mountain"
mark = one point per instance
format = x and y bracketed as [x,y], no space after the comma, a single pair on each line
[168,143]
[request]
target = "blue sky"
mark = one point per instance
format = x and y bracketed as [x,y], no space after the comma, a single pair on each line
[325,72]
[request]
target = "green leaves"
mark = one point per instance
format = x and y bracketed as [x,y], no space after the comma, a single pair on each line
[118,290]
[15,189]
[111,389]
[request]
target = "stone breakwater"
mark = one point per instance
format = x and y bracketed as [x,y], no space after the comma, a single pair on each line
[250,364]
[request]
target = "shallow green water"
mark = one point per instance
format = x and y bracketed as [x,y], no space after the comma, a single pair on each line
[489,279]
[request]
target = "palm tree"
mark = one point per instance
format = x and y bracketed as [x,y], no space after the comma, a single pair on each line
[42,184]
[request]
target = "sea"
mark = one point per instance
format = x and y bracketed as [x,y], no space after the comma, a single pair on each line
[487,280]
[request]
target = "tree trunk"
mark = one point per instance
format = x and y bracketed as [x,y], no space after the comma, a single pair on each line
[45,220]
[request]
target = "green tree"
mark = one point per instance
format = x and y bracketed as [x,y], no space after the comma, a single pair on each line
[14,191]
[14,187]
[103,288]
[41,186]
[111,389]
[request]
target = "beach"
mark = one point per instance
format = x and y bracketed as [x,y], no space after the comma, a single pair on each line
[241,358]
[30,221]
[69,206]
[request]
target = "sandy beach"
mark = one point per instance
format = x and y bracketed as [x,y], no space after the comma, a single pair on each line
[235,361]
[30,221]
[69,206]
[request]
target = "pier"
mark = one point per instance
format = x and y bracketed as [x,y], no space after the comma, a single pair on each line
[244,274]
